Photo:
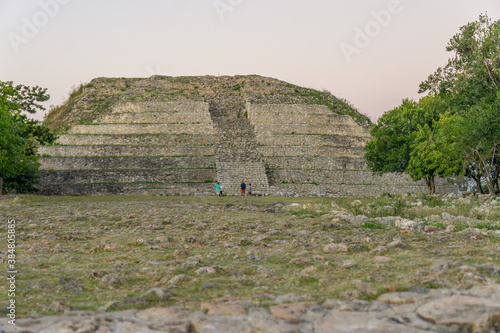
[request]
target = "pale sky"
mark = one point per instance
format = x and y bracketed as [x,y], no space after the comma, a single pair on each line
[374,53]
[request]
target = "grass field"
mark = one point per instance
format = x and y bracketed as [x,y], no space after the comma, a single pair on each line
[82,253]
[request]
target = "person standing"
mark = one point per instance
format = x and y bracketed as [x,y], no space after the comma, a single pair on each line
[249,190]
[243,188]
[217,189]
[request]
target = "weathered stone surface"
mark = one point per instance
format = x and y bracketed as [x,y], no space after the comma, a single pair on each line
[447,310]
[335,248]
[471,314]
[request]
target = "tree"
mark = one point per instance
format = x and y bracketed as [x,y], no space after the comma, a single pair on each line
[15,155]
[453,130]
[473,136]
[473,73]
[395,133]
[19,135]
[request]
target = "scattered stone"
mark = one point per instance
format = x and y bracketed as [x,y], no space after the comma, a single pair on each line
[181,254]
[217,309]
[431,228]
[395,243]
[289,298]
[399,298]
[300,261]
[205,270]
[381,259]
[335,248]
[405,224]
[176,279]
[451,228]
[380,249]
[111,280]
[446,216]
[348,263]
[468,314]
[490,269]
[159,294]
[356,203]
[73,287]
[209,285]
[474,278]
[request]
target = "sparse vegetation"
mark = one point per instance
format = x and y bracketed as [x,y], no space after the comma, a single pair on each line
[83,252]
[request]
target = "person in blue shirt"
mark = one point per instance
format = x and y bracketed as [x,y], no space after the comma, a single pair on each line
[217,189]
[243,188]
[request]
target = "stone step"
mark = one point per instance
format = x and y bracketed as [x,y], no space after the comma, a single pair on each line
[284,118]
[304,151]
[339,190]
[338,177]
[94,163]
[156,117]
[143,129]
[260,111]
[166,107]
[232,174]
[134,151]
[294,129]
[310,140]
[127,176]
[178,189]
[138,139]
[314,163]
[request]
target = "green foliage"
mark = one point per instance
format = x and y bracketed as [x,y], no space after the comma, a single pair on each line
[456,129]
[20,136]
[373,225]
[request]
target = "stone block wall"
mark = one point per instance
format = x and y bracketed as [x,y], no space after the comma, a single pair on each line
[161,148]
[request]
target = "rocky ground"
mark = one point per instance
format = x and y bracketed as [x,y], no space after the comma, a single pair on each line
[168,264]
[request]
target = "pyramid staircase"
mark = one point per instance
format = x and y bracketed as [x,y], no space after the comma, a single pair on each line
[238,157]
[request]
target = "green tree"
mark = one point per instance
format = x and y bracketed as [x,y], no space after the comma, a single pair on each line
[19,135]
[473,136]
[473,73]
[395,133]
[412,138]
[15,152]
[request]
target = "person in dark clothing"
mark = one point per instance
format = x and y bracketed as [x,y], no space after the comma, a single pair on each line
[243,188]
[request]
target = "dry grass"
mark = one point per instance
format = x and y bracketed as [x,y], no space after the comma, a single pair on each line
[261,248]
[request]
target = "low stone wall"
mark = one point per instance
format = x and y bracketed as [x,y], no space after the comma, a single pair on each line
[288,117]
[297,114]
[341,177]
[127,176]
[307,129]
[313,140]
[134,151]
[138,139]
[143,129]
[185,189]
[337,190]
[168,107]
[314,163]
[95,163]
[304,151]
[156,117]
